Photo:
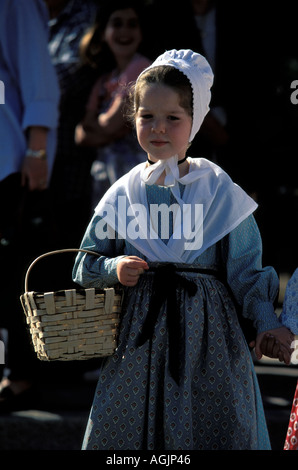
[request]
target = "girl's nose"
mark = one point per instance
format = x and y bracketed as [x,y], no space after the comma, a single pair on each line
[158,126]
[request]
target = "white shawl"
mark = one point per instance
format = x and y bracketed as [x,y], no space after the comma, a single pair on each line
[221,206]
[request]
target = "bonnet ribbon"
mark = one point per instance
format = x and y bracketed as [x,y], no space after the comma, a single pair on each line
[151,174]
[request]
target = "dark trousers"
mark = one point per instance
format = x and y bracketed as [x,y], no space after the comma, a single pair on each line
[25,232]
[29,227]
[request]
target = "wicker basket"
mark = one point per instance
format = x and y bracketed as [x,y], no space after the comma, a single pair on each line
[72,324]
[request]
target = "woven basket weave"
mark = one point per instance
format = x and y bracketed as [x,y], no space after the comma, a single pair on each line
[73,324]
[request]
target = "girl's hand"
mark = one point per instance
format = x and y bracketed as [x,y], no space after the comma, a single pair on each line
[129,270]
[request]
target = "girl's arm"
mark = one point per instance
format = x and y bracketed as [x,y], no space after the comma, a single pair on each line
[254,287]
[101,271]
[102,128]
[98,130]
[112,264]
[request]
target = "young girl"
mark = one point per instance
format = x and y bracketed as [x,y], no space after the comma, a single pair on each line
[180,237]
[113,48]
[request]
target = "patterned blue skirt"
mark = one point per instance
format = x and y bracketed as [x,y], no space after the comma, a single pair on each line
[188,385]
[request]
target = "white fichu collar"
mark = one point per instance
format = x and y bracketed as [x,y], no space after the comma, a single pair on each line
[224,206]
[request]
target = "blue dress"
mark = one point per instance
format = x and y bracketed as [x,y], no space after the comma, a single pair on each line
[191,386]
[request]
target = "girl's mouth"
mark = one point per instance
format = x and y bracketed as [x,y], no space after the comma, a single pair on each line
[158,143]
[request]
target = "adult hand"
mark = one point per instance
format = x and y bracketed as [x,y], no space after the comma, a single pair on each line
[35,169]
[129,269]
[35,173]
[276,343]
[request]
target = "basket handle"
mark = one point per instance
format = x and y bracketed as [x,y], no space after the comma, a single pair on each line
[66,250]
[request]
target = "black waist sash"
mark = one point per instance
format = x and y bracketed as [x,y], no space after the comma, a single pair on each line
[165,282]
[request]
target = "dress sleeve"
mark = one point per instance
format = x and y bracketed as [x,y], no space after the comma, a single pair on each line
[254,287]
[289,314]
[98,272]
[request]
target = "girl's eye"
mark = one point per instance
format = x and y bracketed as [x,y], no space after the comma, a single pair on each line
[146,116]
[173,118]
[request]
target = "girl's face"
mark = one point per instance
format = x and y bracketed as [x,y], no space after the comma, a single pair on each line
[163,126]
[123,34]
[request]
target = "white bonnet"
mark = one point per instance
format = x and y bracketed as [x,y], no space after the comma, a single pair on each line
[200,75]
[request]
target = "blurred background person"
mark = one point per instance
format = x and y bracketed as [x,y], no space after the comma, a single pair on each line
[113,46]
[70,181]
[28,121]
